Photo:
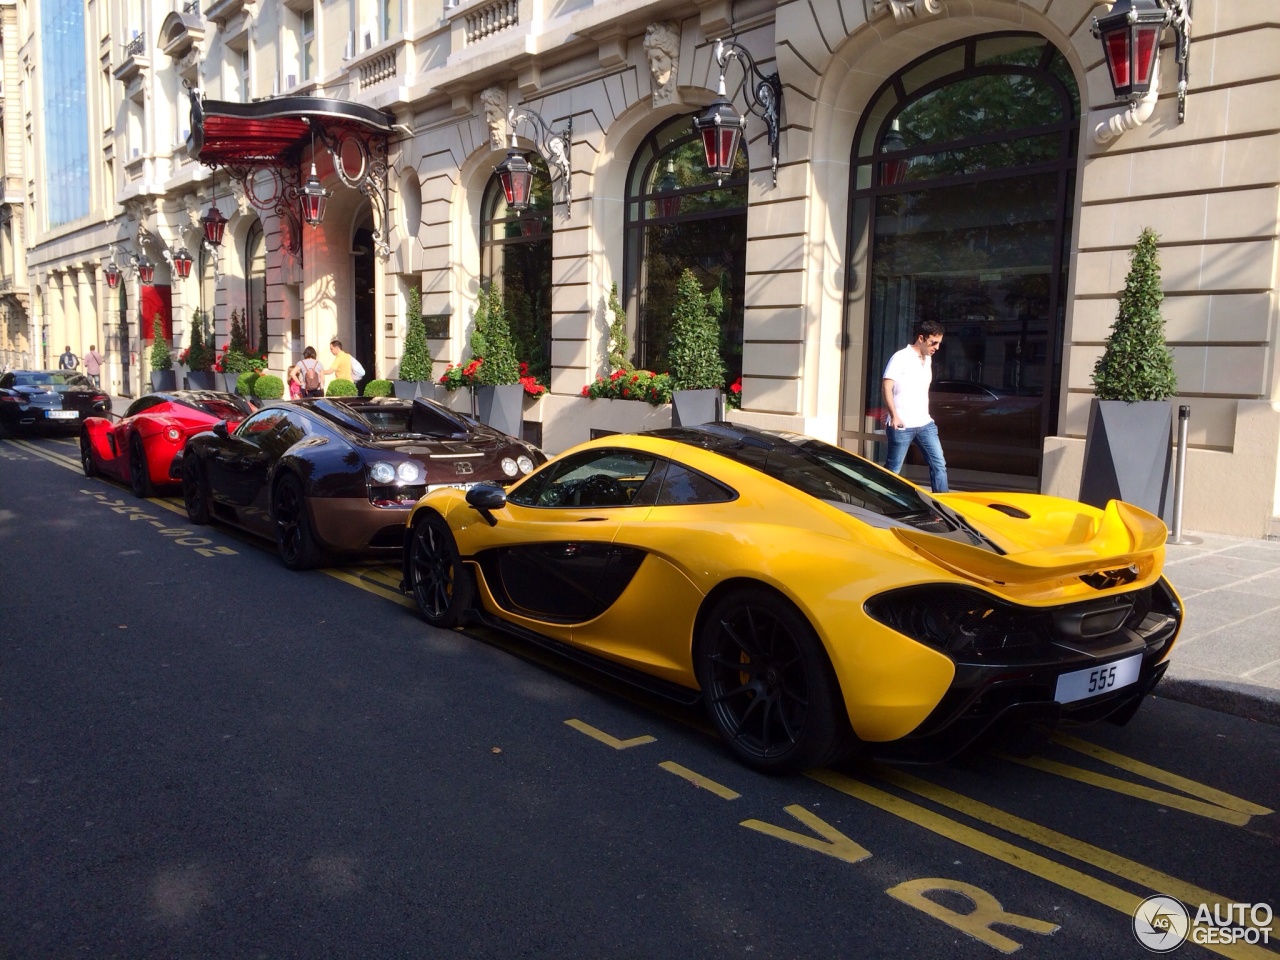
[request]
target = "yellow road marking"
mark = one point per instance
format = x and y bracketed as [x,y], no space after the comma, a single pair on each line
[833,842]
[1112,863]
[1071,879]
[1184,784]
[607,740]
[698,780]
[1162,797]
[49,455]
[370,586]
[986,912]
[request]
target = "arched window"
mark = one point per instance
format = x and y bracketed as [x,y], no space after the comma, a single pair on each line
[678,217]
[515,257]
[255,286]
[963,185]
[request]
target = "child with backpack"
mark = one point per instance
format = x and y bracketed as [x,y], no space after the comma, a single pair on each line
[308,374]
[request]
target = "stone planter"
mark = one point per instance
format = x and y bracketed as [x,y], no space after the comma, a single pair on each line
[501,407]
[1128,453]
[164,379]
[229,381]
[408,389]
[201,379]
[692,407]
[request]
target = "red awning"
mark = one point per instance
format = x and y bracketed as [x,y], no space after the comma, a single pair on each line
[275,130]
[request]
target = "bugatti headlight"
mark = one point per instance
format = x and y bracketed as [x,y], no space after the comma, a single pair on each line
[509,467]
[409,471]
[382,472]
[524,463]
[964,623]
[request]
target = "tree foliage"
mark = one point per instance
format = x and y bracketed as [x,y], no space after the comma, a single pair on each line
[619,344]
[491,341]
[415,363]
[161,359]
[694,353]
[1136,363]
[200,353]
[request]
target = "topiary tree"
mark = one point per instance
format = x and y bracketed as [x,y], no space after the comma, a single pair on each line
[262,328]
[342,388]
[694,353]
[491,340]
[200,355]
[1136,363]
[415,362]
[378,388]
[619,344]
[161,359]
[267,387]
[246,382]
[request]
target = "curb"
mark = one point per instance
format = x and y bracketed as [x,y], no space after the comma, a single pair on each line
[1238,699]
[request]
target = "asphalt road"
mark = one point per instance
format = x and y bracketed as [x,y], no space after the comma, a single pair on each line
[204,755]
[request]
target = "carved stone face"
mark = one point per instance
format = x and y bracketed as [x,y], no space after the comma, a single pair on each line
[661,48]
[659,65]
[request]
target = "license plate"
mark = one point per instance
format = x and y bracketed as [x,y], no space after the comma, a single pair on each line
[447,486]
[1091,681]
[61,414]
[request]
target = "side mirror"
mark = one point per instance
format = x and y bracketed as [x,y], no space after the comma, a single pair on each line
[220,430]
[485,497]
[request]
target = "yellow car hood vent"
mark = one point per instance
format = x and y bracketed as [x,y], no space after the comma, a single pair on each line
[1125,535]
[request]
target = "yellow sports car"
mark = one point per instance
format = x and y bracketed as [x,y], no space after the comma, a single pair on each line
[815,602]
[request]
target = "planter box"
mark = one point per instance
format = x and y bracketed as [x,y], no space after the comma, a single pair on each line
[501,407]
[1128,453]
[692,407]
[164,379]
[408,389]
[201,379]
[228,381]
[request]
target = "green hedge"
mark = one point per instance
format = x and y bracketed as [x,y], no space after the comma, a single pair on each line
[246,383]
[379,388]
[342,388]
[268,387]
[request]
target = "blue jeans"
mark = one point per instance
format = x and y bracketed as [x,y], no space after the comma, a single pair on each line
[926,438]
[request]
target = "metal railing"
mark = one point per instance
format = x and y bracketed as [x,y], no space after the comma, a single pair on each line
[492,18]
[136,46]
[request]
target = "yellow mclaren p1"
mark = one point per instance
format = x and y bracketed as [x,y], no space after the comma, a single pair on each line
[814,601]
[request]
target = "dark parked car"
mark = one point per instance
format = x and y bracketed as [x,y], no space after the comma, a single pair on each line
[340,475]
[48,400]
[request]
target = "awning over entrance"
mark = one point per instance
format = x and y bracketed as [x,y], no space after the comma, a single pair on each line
[245,139]
[265,132]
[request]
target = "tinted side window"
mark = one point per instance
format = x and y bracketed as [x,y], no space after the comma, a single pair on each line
[142,403]
[594,478]
[684,486]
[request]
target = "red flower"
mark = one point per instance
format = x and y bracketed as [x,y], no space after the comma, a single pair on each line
[736,386]
[586,391]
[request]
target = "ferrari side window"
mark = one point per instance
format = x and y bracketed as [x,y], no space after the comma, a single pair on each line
[684,486]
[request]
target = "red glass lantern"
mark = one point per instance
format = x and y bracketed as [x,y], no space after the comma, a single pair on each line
[516,175]
[314,199]
[720,127]
[893,172]
[182,263]
[214,224]
[667,203]
[146,270]
[1130,36]
[112,273]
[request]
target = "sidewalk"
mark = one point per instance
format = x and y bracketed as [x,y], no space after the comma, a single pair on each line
[1227,657]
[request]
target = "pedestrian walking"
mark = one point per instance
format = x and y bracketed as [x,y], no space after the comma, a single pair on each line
[906,398]
[68,360]
[93,364]
[308,374]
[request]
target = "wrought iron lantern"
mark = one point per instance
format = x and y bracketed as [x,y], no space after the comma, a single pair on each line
[182,263]
[668,202]
[721,126]
[214,224]
[515,173]
[314,199]
[1130,36]
[112,273]
[146,270]
[894,171]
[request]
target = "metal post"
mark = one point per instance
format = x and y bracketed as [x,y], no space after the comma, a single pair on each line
[1180,469]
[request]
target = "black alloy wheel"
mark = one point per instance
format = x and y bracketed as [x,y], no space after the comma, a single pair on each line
[768,685]
[195,489]
[139,473]
[442,588]
[294,537]
[86,455]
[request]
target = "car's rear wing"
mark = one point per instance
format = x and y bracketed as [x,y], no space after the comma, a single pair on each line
[1126,535]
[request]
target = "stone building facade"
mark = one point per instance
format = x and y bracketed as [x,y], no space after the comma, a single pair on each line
[948,159]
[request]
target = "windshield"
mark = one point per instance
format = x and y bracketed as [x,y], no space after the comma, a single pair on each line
[50,378]
[223,408]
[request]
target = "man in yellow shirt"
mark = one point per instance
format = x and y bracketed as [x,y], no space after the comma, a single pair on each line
[341,369]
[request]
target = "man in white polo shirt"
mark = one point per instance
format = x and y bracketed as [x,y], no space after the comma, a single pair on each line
[906,397]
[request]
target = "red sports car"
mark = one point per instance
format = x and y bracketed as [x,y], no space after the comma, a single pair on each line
[138,447]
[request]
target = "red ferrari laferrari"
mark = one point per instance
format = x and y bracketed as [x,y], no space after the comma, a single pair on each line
[138,447]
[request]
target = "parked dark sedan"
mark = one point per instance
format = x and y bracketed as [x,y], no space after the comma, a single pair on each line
[340,475]
[48,400]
